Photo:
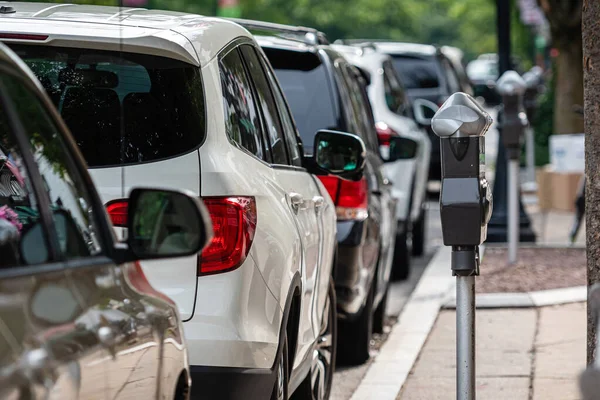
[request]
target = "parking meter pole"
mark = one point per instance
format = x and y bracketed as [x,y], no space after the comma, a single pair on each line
[530,158]
[465,210]
[513,210]
[465,267]
[533,81]
[512,88]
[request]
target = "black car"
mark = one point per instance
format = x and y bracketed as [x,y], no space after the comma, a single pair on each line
[324,91]
[77,312]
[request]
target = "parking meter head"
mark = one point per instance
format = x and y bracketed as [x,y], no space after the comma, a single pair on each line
[531,80]
[460,116]
[511,84]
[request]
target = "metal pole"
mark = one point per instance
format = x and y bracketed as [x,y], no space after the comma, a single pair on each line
[530,159]
[513,210]
[465,337]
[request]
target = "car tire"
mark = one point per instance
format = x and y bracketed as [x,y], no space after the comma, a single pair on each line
[319,381]
[418,234]
[354,338]
[379,314]
[280,389]
[401,266]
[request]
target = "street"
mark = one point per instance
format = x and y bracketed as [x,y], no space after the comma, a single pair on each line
[347,379]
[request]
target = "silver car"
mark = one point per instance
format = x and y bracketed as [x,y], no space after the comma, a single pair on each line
[78,319]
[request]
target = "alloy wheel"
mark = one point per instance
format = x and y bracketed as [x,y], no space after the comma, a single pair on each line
[322,368]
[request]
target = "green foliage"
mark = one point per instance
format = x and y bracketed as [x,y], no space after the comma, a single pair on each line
[467,24]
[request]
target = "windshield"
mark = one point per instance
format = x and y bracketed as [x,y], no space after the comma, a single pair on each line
[304,82]
[122,108]
[417,73]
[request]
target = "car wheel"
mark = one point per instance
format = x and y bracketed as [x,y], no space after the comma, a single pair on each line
[379,315]
[401,267]
[280,391]
[318,383]
[418,234]
[355,335]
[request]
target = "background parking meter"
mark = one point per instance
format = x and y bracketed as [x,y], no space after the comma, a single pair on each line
[514,121]
[533,82]
[465,208]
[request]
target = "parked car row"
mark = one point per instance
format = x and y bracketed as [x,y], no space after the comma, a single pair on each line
[311,159]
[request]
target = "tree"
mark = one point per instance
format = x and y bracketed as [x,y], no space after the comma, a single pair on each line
[564,17]
[591,63]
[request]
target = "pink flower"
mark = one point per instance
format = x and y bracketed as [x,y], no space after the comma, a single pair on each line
[9,215]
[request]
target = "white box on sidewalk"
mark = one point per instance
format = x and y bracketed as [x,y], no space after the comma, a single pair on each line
[567,152]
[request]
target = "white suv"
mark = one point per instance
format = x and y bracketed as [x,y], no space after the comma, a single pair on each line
[403,145]
[181,101]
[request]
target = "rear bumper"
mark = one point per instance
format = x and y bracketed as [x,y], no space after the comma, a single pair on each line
[221,383]
[351,276]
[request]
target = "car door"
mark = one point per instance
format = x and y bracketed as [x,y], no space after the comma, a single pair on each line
[48,347]
[303,195]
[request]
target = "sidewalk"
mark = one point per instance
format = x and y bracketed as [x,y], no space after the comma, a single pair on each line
[521,354]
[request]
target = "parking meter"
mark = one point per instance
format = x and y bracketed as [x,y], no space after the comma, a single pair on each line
[533,85]
[465,198]
[465,209]
[513,124]
[533,81]
[514,120]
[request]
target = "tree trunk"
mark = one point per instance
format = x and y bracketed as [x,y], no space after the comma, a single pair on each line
[591,63]
[569,87]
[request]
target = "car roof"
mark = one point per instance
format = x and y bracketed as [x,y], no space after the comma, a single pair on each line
[399,48]
[191,38]
[281,43]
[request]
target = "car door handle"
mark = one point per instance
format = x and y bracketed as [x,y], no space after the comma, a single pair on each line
[319,202]
[297,201]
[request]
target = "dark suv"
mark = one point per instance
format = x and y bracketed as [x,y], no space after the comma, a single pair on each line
[78,316]
[324,91]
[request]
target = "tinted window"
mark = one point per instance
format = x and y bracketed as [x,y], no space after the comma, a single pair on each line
[307,89]
[362,107]
[267,105]
[417,73]
[70,202]
[158,102]
[451,78]
[395,97]
[241,121]
[287,122]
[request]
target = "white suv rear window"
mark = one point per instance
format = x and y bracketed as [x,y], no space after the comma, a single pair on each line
[122,108]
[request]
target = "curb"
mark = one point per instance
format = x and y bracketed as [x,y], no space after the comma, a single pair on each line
[541,298]
[388,371]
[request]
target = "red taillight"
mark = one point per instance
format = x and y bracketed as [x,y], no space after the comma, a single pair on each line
[22,36]
[117,211]
[234,225]
[351,198]
[332,184]
[384,133]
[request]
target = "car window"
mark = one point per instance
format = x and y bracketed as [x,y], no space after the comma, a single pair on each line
[71,203]
[451,77]
[346,95]
[416,72]
[241,120]
[395,97]
[274,132]
[122,108]
[287,122]
[304,81]
[363,109]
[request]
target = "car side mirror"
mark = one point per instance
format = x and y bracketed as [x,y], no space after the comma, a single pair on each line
[402,148]
[166,223]
[424,110]
[339,153]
